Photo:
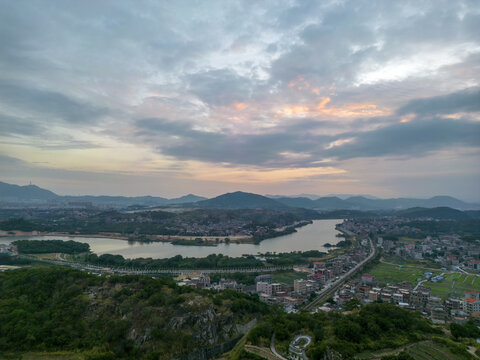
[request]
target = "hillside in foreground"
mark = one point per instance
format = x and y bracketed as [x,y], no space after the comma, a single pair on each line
[129,317]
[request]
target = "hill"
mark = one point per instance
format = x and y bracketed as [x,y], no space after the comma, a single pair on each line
[241,200]
[190,198]
[364,203]
[300,202]
[11,193]
[33,193]
[439,213]
[118,317]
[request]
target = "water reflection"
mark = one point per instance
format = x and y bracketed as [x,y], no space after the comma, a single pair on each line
[310,237]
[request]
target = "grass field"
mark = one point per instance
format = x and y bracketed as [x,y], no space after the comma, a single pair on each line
[424,350]
[454,284]
[428,350]
[387,273]
[47,256]
[287,277]
[411,262]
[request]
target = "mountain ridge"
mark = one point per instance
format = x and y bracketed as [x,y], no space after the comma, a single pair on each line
[11,193]
[362,203]
[241,200]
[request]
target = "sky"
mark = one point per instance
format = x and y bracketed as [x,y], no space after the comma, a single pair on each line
[167,98]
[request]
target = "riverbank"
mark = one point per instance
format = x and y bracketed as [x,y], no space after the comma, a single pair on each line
[306,238]
[199,240]
[139,238]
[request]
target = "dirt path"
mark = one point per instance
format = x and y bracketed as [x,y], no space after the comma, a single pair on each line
[261,351]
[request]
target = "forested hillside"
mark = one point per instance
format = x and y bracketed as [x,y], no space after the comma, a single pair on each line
[128,317]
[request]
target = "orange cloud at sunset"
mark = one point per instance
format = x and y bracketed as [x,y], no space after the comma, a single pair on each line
[264,175]
[299,83]
[296,109]
[324,103]
[350,110]
[240,106]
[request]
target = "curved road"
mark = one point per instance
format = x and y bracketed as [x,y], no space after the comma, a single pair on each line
[272,348]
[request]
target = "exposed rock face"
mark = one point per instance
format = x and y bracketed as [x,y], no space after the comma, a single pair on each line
[207,328]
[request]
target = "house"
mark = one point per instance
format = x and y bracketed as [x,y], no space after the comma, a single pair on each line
[300,286]
[474,264]
[368,279]
[471,304]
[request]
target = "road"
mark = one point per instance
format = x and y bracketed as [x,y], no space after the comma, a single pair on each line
[425,280]
[88,267]
[272,348]
[298,349]
[333,287]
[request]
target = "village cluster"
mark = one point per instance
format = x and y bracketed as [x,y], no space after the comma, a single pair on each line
[450,253]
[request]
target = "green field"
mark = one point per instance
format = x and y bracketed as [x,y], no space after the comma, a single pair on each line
[287,277]
[389,274]
[424,350]
[411,262]
[428,350]
[454,284]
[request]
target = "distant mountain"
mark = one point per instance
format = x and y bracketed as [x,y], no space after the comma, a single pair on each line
[438,201]
[308,196]
[32,193]
[10,193]
[315,197]
[363,203]
[346,196]
[301,202]
[118,201]
[439,213]
[331,202]
[190,198]
[474,214]
[241,200]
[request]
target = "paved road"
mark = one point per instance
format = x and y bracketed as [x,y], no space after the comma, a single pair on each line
[298,349]
[331,288]
[272,348]
[161,271]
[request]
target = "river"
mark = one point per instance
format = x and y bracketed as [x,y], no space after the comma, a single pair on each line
[309,237]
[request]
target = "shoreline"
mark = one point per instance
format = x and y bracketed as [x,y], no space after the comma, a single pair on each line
[179,240]
[153,238]
[185,240]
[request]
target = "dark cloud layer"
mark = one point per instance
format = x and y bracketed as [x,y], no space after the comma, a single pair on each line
[47,104]
[411,139]
[463,101]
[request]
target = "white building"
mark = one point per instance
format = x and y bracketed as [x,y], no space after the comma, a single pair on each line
[300,286]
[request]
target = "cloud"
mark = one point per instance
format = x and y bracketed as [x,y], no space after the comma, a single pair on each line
[219,87]
[47,104]
[290,86]
[11,125]
[293,147]
[467,100]
[411,139]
